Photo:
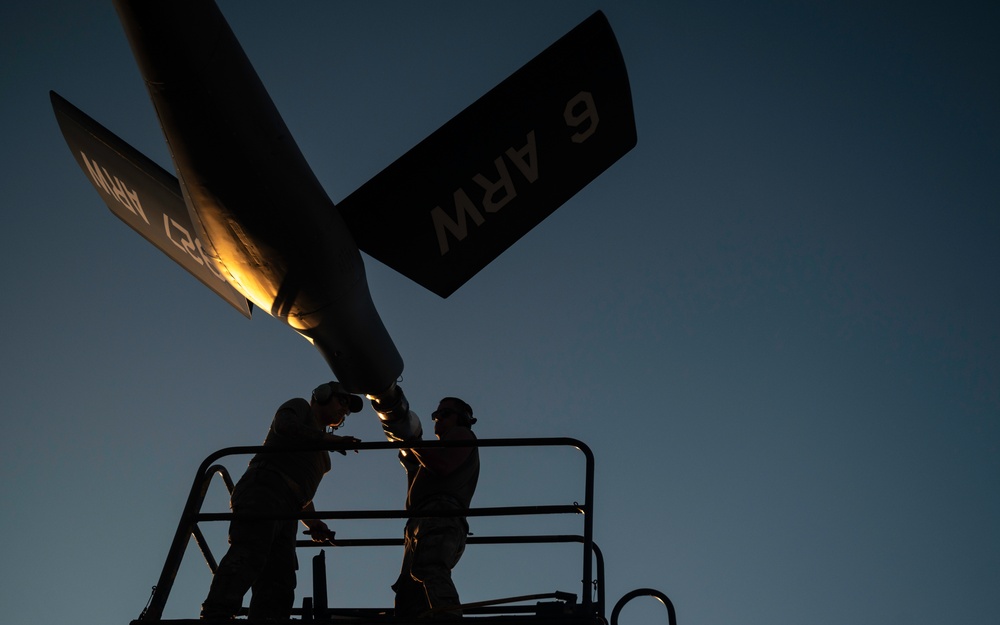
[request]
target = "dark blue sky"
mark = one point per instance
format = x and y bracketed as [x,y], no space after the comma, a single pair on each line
[774,321]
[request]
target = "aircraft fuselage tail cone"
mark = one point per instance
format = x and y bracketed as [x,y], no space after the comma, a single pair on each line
[256,205]
[246,215]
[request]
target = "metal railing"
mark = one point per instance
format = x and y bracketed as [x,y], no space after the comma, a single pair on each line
[188,526]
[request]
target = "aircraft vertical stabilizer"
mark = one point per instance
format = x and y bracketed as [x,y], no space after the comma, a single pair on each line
[143,195]
[449,206]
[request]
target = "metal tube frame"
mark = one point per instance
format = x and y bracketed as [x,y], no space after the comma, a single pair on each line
[192,515]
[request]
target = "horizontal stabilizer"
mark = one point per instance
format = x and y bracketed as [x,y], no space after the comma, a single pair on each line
[142,194]
[448,207]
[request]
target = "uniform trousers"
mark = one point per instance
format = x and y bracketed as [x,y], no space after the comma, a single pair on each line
[261,553]
[432,548]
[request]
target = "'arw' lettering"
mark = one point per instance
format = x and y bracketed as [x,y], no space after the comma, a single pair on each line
[114,187]
[496,193]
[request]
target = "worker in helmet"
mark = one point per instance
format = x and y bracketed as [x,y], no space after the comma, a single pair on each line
[262,552]
[438,480]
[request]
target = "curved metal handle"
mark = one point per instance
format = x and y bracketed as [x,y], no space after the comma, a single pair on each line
[650,592]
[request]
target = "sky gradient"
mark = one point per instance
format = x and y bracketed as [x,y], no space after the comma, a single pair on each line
[774,321]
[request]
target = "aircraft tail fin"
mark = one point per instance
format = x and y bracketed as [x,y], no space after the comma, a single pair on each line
[142,194]
[449,206]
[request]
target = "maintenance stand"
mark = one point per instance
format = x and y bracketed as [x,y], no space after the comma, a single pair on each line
[543,608]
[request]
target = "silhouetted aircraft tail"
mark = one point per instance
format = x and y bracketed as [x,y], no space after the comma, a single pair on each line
[448,207]
[150,202]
